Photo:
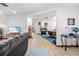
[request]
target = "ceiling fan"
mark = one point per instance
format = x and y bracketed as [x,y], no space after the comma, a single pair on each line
[3,4]
[9,10]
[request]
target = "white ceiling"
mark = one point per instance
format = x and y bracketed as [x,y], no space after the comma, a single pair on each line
[30,8]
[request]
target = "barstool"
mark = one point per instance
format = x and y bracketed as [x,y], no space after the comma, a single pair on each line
[68,37]
[65,36]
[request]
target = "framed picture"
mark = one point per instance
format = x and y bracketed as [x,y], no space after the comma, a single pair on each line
[71,21]
[45,24]
[39,23]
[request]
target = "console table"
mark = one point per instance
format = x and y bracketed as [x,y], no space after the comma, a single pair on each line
[66,39]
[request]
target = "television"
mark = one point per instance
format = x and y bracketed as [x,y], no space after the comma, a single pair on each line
[14,29]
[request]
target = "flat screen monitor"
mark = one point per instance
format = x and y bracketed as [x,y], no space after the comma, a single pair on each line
[14,29]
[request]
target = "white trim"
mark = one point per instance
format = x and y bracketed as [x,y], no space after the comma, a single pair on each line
[40,12]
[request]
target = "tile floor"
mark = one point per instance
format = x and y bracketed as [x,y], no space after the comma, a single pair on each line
[38,46]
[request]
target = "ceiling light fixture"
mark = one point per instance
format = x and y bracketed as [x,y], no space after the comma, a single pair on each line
[7,10]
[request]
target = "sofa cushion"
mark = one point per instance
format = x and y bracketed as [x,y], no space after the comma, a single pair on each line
[4,47]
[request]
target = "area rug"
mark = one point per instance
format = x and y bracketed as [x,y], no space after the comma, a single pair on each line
[49,38]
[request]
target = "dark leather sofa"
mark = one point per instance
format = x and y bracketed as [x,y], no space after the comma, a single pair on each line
[15,47]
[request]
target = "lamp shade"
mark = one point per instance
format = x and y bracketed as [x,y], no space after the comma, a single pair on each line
[3,26]
[76,29]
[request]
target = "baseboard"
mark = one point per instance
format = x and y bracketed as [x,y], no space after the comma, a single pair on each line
[67,45]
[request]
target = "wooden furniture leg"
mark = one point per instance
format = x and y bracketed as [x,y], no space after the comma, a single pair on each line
[65,43]
[62,40]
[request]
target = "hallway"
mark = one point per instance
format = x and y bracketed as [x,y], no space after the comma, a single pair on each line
[38,46]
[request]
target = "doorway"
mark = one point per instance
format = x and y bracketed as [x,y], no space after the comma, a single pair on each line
[45,25]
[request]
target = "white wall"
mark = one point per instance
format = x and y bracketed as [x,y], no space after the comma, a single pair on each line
[3,20]
[14,21]
[29,22]
[51,24]
[18,20]
[63,13]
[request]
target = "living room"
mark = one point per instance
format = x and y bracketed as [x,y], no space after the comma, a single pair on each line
[31,22]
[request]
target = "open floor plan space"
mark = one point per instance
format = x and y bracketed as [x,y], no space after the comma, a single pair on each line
[39,29]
